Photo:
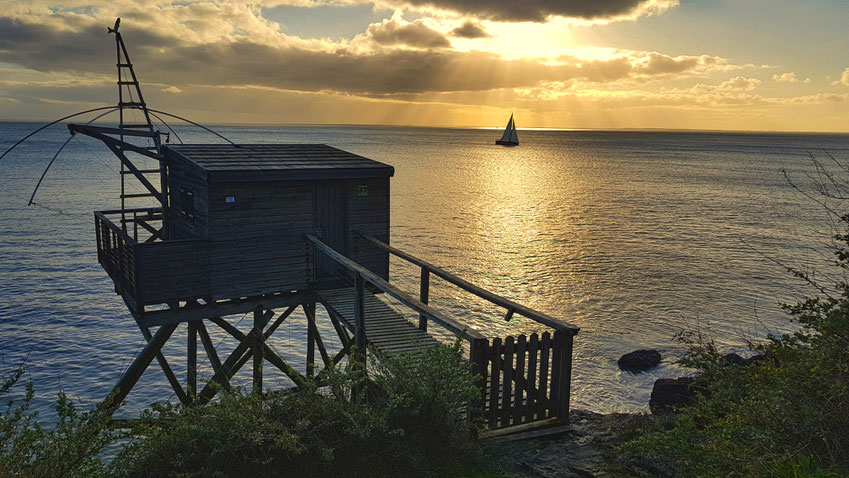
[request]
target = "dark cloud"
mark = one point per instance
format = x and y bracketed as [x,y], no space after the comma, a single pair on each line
[534,10]
[470,30]
[86,48]
[415,34]
[384,71]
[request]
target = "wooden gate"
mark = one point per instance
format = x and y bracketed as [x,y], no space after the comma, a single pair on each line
[526,379]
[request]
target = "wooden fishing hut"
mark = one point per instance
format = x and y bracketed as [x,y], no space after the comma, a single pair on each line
[270,228]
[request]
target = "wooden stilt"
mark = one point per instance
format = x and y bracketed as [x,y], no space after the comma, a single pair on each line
[222,378]
[209,348]
[313,330]
[310,342]
[137,368]
[192,359]
[169,374]
[257,349]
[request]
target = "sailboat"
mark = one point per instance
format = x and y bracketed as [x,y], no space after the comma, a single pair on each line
[509,138]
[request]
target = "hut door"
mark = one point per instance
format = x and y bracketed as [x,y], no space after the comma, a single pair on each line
[331,225]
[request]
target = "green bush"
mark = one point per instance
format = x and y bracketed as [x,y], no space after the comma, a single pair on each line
[411,421]
[69,447]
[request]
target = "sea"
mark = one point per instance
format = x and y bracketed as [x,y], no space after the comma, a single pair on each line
[635,237]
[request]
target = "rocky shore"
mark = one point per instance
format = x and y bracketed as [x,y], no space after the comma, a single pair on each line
[586,449]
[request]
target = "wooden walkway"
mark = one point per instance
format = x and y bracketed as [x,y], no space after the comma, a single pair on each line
[387,331]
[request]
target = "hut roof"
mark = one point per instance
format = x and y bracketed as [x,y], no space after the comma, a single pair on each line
[275,162]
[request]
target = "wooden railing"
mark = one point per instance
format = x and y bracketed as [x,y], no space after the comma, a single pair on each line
[525,379]
[116,254]
[116,248]
[427,269]
[362,275]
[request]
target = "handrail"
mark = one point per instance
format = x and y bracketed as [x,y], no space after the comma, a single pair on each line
[433,314]
[111,225]
[149,210]
[496,299]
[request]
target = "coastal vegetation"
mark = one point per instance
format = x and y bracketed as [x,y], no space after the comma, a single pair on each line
[784,415]
[412,419]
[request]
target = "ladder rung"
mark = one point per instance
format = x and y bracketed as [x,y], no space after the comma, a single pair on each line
[143,171]
[128,82]
[126,65]
[141,195]
[131,103]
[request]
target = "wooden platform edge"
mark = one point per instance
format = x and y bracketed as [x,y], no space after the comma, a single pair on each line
[526,431]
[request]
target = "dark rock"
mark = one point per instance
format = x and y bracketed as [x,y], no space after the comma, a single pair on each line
[669,394]
[734,359]
[755,359]
[639,360]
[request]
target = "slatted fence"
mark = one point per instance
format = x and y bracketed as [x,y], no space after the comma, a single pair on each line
[526,379]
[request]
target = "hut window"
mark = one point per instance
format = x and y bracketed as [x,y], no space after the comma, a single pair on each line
[187,203]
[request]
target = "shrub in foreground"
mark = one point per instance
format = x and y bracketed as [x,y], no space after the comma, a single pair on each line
[411,422]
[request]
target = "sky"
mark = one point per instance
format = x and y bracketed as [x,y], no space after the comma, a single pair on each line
[748,65]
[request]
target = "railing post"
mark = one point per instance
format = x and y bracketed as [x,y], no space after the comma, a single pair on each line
[562,373]
[359,331]
[424,295]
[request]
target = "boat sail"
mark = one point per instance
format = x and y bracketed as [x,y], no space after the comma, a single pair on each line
[509,138]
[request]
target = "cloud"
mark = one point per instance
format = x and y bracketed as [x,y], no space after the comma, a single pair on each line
[740,83]
[543,10]
[470,30]
[397,32]
[789,78]
[172,89]
[170,56]
[658,64]
[844,79]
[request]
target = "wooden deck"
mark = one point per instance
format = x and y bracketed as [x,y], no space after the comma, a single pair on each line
[387,331]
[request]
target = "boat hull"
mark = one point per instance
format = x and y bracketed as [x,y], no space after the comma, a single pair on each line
[506,143]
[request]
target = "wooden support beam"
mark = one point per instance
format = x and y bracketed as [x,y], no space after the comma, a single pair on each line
[169,374]
[310,343]
[340,330]
[220,309]
[224,374]
[210,351]
[192,359]
[257,348]
[313,325]
[278,321]
[269,355]
[132,167]
[134,371]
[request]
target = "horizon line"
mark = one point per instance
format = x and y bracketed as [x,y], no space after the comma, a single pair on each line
[494,128]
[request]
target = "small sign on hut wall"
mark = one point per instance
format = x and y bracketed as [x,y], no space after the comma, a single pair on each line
[362,190]
[230,199]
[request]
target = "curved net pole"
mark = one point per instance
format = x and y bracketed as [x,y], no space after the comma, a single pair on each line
[166,125]
[193,123]
[54,122]
[38,184]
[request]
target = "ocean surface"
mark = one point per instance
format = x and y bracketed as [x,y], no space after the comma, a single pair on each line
[632,236]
